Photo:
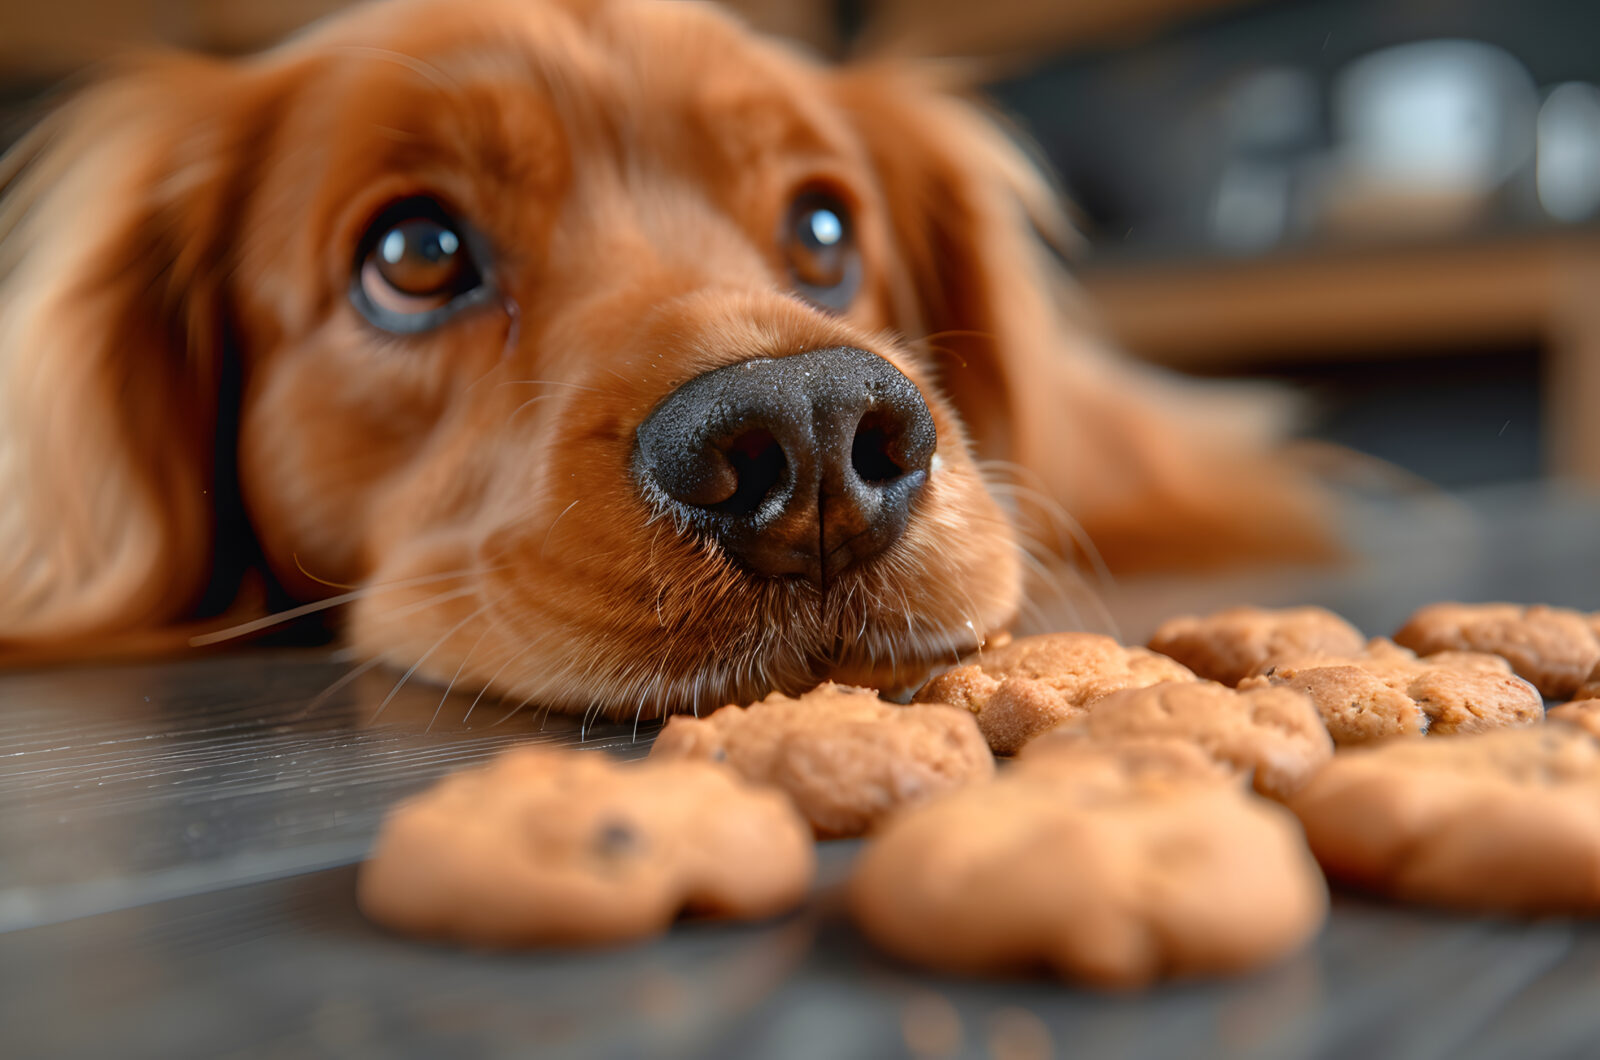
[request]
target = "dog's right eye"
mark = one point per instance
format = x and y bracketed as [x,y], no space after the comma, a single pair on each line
[415,268]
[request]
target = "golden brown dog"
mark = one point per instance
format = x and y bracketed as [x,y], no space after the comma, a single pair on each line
[626,360]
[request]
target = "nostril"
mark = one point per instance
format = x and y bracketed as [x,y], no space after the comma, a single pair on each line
[758,461]
[872,451]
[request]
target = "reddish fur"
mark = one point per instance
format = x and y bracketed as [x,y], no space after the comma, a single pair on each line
[631,163]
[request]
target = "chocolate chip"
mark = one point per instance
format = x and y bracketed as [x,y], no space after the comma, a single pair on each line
[617,839]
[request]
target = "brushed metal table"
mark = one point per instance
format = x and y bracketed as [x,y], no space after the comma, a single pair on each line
[177,841]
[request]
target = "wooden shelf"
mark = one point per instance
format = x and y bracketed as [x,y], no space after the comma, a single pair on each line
[1541,290]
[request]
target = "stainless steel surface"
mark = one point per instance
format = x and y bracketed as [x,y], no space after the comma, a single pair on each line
[175,842]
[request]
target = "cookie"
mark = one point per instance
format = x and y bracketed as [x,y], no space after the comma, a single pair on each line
[1273,734]
[1553,647]
[843,755]
[1591,686]
[1584,713]
[1090,766]
[1383,649]
[1505,822]
[1103,874]
[1230,645]
[544,847]
[1034,684]
[1390,692]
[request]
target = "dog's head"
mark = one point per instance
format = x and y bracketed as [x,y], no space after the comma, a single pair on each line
[619,358]
[629,360]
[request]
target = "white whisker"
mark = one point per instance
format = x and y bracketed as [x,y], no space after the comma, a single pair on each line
[448,688]
[267,621]
[429,72]
[513,657]
[431,601]
[553,523]
[1031,490]
[550,382]
[343,679]
[420,660]
[513,711]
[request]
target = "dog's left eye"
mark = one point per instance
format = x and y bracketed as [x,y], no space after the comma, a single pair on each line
[819,245]
[414,269]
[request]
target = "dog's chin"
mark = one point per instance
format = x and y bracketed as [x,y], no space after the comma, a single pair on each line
[898,677]
[882,656]
[689,632]
[633,678]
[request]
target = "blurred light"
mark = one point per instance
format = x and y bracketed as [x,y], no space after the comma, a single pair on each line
[826,228]
[1567,166]
[1446,115]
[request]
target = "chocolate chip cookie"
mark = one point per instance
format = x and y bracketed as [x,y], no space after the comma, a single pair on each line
[544,847]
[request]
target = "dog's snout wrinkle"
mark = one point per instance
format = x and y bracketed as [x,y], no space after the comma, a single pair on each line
[803,465]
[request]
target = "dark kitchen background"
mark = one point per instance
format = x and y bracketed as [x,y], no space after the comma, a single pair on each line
[1392,205]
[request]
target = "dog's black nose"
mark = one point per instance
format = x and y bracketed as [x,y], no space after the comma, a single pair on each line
[801,465]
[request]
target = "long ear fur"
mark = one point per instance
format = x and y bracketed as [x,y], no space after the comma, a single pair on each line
[1159,472]
[111,351]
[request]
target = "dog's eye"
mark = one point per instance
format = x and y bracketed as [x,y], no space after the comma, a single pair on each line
[415,268]
[819,245]
[420,258]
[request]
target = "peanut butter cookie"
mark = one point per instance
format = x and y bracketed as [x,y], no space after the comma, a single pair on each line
[1503,821]
[1230,645]
[1107,873]
[1034,684]
[1273,735]
[843,755]
[1553,647]
[1388,691]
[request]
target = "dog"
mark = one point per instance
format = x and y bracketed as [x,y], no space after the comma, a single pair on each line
[599,353]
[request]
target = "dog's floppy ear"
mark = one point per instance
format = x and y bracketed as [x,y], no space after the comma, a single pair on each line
[111,259]
[1159,472]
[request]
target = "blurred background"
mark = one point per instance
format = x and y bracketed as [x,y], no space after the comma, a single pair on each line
[1392,204]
